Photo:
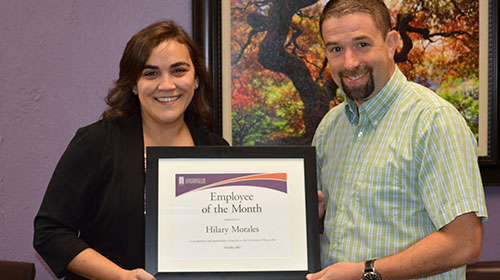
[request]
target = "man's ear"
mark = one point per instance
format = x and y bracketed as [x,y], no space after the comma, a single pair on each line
[392,40]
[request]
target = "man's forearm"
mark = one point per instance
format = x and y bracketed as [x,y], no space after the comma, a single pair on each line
[456,244]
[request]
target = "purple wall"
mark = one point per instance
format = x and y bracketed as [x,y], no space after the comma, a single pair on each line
[491,229]
[58,58]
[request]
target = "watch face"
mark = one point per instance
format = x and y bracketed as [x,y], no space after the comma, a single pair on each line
[371,276]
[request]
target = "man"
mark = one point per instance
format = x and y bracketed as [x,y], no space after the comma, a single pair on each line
[397,164]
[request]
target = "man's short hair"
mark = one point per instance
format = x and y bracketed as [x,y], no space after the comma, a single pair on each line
[375,8]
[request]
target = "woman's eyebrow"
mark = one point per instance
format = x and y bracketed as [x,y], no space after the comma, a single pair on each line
[180,63]
[151,67]
[177,64]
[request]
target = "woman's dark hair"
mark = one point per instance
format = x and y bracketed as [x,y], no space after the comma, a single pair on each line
[123,103]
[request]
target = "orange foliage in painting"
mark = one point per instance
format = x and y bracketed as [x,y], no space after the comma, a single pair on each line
[272,105]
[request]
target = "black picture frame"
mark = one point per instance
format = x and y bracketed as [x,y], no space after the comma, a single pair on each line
[206,20]
[305,154]
[206,15]
[490,165]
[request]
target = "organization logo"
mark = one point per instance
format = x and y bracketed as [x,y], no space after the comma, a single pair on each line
[197,182]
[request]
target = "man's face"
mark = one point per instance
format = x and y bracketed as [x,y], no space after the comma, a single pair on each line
[360,58]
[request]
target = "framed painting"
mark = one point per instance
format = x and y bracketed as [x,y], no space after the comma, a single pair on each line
[263,101]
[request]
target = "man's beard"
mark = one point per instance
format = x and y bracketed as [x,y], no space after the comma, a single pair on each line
[361,92]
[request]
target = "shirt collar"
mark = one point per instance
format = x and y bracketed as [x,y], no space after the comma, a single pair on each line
[375,108]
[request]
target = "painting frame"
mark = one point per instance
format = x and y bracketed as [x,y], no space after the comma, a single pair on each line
[207,16]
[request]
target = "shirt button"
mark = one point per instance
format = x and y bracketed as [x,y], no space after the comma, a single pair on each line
[360,134]
[335,245]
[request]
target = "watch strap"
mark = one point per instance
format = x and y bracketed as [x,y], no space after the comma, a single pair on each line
[369,272]
[369,265]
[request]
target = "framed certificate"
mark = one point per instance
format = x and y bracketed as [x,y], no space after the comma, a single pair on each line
[231,212]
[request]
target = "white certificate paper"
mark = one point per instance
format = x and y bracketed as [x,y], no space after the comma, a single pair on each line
[225,215]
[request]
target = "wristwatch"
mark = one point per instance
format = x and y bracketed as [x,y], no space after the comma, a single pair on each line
[370,273]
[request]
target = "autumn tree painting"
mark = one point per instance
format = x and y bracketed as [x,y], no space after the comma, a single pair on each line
[281,86]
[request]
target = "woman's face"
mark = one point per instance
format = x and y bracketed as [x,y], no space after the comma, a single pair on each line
[166,85]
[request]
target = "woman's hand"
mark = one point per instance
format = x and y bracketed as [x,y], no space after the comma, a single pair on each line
[138,274]
[90,264]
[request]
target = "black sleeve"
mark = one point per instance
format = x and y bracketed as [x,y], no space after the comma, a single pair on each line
[204,137]
[216,140]
[61,214]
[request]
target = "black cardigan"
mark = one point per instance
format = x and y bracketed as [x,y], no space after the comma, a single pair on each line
[95,198]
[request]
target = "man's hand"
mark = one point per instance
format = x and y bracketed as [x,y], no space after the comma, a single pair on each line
[321,205]
[341,271]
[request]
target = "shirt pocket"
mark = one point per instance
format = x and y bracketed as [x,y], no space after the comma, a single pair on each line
[379,194]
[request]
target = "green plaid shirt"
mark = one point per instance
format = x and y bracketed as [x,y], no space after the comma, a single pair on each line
[395,170]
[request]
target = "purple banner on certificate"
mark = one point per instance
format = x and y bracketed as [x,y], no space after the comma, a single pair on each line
[185,183]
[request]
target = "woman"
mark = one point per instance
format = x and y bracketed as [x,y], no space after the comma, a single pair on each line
[91,221]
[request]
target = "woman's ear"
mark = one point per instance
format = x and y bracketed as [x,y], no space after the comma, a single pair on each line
[196,83]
